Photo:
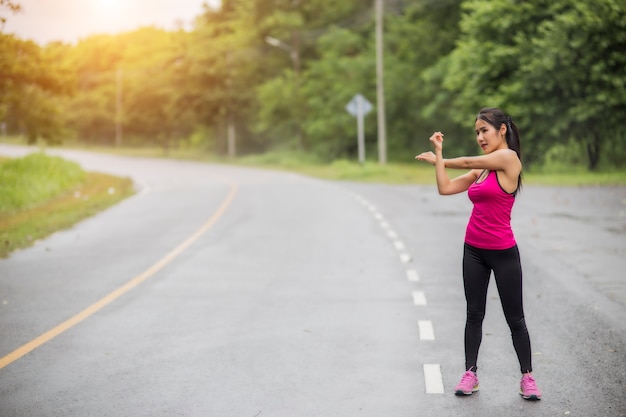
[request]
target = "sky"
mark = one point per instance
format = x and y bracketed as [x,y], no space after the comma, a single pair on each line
[44,21]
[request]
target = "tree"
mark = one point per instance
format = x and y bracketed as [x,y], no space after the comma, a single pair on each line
[556,66]
[155,66]
[31,78]
[91,110]
[289,112]
[576,64]
[343,70]
[225,66]
[343,63]
[417,37]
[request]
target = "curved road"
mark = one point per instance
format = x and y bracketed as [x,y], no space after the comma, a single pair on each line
[223,291]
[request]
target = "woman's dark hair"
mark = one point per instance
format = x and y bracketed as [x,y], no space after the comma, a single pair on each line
[496,118]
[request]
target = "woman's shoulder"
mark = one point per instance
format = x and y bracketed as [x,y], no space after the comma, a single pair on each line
[510,159]
[506,153]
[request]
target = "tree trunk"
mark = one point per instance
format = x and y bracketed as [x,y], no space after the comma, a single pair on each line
[231,139]
[593,151]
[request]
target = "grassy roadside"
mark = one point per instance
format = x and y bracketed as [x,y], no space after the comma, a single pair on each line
[35,206]
[414,172]
[425,174]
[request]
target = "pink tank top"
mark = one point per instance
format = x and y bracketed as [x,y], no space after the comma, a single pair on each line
[489,226]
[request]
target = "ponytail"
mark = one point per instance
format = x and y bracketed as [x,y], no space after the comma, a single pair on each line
[512,137]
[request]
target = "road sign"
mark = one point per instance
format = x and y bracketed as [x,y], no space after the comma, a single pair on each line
[353,106]
[359,107]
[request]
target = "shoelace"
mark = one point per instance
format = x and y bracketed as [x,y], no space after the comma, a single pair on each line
[529,383]
[468,377]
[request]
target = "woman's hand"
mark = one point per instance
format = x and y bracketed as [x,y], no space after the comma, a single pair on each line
[437,140]
[428,157]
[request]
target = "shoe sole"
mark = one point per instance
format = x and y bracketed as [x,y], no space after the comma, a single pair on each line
[459,392]
[530,397]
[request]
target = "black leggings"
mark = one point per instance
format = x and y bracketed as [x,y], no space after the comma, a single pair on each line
[507,269]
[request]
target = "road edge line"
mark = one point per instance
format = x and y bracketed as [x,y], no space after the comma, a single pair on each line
[117,293]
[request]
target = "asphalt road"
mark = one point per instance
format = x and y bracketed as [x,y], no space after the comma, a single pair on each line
[229,292]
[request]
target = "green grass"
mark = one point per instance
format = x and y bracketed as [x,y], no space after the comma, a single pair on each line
[415,172]
[40,195]
[344,170]
[575,178]
[28,181]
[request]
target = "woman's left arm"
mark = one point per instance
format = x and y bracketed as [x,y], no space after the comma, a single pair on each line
[500,160]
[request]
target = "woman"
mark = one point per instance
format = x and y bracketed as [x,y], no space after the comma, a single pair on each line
[492,184]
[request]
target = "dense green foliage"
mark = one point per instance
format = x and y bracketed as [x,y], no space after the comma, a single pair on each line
[28,181]
[260,75]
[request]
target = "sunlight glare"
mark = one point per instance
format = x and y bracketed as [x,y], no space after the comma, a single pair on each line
[106,5]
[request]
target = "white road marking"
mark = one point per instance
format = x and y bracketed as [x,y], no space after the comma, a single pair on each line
[419,298]
[360,199]
[433,379]
[411,275]
[426,330]
[432,371]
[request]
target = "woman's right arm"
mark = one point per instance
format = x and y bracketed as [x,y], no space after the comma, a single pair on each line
[446,186]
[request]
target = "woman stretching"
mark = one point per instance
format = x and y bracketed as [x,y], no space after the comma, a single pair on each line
[491,184]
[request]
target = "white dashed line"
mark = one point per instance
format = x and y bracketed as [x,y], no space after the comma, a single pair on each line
[433,379]
[426,330]
[432,372]
[419,298]
[405,258]
[411,275]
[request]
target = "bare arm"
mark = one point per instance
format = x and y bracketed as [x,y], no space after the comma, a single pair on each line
[444,184]
[501,160]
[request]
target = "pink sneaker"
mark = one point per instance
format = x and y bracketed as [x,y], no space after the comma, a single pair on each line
[468,384]
[528,388]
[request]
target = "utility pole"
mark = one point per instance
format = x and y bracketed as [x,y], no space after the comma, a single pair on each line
[231,134]
[294,54]
[295,57]
[118,107]
[380,88]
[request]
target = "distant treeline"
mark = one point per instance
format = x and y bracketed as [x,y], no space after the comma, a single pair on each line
[259,75]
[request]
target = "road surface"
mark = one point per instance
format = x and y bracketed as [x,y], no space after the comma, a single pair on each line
[232,292]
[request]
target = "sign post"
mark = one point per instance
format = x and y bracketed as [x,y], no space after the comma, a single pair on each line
[359,107]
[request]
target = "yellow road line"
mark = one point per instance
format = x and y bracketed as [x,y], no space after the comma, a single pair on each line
[92,309]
